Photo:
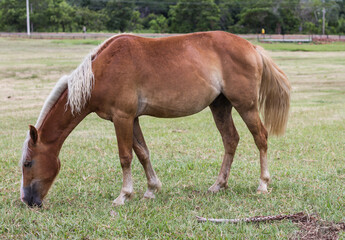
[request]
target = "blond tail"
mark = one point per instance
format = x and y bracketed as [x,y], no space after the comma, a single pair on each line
[274,95]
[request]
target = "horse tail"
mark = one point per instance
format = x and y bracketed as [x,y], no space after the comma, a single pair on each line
[274,95]
[80,85]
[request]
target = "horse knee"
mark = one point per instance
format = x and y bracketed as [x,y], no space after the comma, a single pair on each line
[231,143]
[126,160]
[235,139]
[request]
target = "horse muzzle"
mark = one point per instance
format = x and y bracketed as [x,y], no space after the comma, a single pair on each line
[30,196]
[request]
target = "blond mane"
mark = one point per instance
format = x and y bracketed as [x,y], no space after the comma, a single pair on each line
[79,84]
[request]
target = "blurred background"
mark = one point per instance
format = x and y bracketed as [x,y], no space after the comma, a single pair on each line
[174,16]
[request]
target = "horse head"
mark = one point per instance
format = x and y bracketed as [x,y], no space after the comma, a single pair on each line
[40,165]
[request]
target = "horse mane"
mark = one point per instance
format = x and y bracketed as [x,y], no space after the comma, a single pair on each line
[79,84]
[54,95]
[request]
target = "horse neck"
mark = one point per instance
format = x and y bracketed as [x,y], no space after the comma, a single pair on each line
[59,123]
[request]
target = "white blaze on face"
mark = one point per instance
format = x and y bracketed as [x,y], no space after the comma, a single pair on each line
[24,154]
[21,189]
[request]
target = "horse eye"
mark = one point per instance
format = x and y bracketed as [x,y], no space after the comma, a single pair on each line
[27,164]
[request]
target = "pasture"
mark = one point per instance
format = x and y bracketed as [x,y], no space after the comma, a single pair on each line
[307,164]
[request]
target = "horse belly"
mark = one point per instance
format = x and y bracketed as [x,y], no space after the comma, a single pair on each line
[178,103]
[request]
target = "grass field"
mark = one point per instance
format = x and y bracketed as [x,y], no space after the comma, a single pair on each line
[305,47]
[307,164]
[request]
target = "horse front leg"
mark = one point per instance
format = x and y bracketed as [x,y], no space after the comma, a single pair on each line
[142,152]
[124,134]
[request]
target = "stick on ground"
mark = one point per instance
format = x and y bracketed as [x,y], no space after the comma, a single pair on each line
[252,219]
[311,227]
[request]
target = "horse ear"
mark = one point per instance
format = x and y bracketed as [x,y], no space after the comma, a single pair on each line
[33,134]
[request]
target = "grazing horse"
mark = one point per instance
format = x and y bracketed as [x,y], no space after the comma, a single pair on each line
[129,76]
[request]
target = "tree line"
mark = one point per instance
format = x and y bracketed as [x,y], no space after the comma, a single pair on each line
[177,16]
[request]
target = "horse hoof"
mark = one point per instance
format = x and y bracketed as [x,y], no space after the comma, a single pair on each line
[262,188]
[118,202]
[149,195]
[213,189]
[261,191]
[217,187]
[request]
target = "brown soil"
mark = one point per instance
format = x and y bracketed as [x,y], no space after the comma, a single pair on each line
[312,227]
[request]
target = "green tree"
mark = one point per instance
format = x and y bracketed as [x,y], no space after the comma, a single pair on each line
[146,20]
[254,19]
[119,14]
[52,15]
[147,7]
[93,5]
[159,24]
[63,14]
[309,28]
[226,20]
[194,15]
[288,20]
[341,26]
[135,22]
[38,17]
[92,20]
[12,15]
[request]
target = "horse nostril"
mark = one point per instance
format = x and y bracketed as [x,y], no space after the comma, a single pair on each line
[34,202]
[31,197]
[30,204]
[39,204]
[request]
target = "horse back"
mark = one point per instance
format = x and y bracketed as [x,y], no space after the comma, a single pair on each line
[170,77]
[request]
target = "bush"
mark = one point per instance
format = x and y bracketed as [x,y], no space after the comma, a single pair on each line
[341,26]
[159,24]
[194,15]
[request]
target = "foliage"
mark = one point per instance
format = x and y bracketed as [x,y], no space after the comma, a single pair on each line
[60,14]
[119,15]
[255,19]
[159,24]
[289,22]
[135,21]
[238,16]
[309,27]
[341,26]
[92,20]
[226,16]
[194,15]
[13,15]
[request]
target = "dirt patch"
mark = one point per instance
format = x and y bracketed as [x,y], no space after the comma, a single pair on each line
[311,226]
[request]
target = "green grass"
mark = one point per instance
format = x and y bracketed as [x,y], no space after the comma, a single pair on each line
[78,41]
[304,47]
[307,164]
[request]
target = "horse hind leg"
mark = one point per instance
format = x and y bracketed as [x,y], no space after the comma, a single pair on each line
[142,152]
[221,111]
[252,119]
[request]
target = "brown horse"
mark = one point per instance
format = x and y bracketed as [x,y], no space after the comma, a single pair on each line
[129,76]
